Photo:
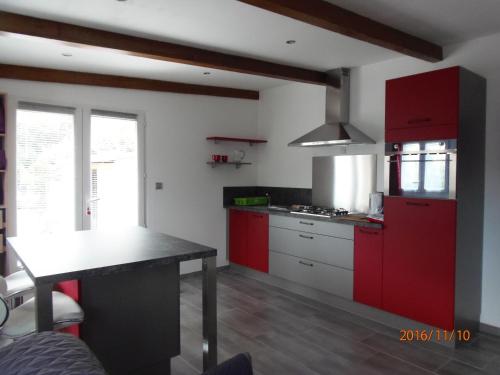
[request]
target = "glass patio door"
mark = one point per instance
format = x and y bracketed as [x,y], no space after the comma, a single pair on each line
[76,169]
[113,187]
[47,169]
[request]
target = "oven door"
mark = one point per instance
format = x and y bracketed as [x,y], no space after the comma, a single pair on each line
[425,169]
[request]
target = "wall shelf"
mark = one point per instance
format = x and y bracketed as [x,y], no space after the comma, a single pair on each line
[237,164]
[231,139]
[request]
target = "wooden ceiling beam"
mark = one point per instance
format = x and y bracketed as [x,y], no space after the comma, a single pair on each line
[334,18]
[104,80]
[11,23]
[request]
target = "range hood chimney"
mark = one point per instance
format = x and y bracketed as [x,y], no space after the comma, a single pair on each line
[336,130]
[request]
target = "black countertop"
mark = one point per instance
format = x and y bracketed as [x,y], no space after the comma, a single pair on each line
[337,219]
[76,255]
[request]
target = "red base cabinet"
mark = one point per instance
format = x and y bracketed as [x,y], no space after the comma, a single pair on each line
[238,228]
[249,239]
[258,241]
[419,259]
[368,248]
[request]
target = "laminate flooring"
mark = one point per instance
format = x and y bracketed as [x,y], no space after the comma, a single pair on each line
[289,334]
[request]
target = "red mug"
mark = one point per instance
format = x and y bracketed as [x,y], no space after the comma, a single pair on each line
[215,157]
[224,158]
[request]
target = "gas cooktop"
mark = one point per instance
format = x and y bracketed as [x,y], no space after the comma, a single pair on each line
[318,211]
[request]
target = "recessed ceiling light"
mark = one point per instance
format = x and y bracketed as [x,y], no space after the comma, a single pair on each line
[66,54]
[206,73]
[291,41]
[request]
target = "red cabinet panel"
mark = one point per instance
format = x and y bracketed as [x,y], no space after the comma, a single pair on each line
[72,289]
[258,241]
[368,248]
[249,239]
[238,228]
[419,259]
[423,106]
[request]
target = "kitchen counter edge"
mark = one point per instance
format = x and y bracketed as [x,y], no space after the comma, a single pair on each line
[338,220]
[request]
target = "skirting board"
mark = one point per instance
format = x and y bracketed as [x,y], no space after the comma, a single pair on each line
[385,318]
[492,330]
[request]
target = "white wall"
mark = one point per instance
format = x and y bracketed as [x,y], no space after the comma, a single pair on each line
[190,205]
[290,111]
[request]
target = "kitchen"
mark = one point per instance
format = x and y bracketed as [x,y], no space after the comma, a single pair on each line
[191,203]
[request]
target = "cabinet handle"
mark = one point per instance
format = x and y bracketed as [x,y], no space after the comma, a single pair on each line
[419,120]
[258,216]
[418,204]
[368,232]
[308,237]
[306,263]
[305,223]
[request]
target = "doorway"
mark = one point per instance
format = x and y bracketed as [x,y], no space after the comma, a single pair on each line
[77,169]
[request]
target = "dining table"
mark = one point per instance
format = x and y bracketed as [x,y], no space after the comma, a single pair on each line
[129,289]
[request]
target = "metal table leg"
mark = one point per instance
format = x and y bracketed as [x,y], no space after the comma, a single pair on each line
[209,313]
[43,308]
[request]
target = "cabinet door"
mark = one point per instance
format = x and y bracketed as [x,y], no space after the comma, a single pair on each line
[423,106]
[258,241]
[238,222]
[368,247]
[419,259]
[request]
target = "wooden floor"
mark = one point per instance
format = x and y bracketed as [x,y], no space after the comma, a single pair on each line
[288,334]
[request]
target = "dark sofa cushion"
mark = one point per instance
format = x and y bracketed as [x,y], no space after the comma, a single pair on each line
[49,353]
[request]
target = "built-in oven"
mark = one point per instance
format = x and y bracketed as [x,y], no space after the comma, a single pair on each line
[421,169]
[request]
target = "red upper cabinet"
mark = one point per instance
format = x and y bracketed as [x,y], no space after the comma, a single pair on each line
[238,226]
[423,106]
[249,239]
[368,248]
[419,259]
[258,241]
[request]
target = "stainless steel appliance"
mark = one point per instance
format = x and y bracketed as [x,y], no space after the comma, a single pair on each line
[318,211]
[421,169]
[344,181]
[337,130]
[376,203]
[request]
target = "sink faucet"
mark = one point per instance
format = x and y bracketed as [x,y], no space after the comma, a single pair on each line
[268,199]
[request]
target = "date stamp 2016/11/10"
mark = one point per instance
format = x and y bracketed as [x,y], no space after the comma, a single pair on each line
[409,335]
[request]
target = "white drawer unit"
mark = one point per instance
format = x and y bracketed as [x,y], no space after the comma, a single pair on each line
[312,226]
[331,279]
[325,249]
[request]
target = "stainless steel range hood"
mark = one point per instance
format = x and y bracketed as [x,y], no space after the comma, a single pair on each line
[337,130]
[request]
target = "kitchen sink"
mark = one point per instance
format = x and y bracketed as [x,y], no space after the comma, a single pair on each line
[278,208]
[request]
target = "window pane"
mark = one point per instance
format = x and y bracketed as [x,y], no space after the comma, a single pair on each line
[435,168]
[114,172]
[45,158]
[410,167]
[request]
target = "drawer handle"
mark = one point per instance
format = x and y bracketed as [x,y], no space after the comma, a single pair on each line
[419,120]
[308,237]
[306,263]
[305,223]
[418,204]
[368,232]
[258,216]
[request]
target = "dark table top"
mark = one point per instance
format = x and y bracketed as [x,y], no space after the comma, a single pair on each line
[75,255]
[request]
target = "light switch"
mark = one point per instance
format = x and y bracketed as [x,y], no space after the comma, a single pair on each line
[158,185]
